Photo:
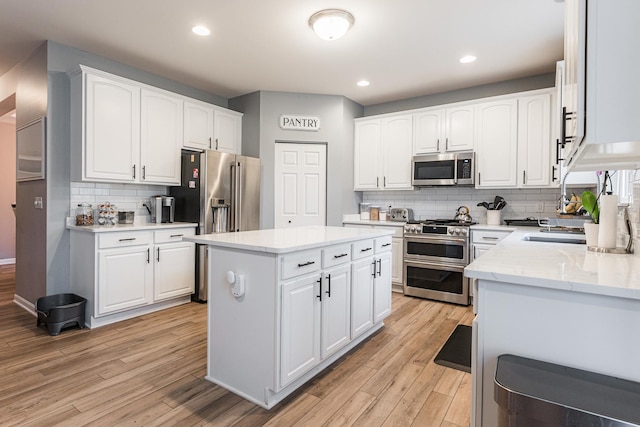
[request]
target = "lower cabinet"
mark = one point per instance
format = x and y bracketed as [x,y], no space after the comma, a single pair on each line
[123,274]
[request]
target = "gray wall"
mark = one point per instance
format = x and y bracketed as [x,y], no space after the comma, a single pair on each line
[250,105]
[336,115]
[31,223]
[540,81]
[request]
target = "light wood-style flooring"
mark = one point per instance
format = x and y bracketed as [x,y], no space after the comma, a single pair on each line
[149,371]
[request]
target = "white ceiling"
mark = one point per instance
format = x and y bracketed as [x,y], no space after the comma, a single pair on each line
[405,48]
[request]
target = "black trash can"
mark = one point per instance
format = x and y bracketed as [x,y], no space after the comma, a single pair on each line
[60,310]
[533,393]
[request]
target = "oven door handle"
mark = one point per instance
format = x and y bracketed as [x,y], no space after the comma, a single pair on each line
[455,168]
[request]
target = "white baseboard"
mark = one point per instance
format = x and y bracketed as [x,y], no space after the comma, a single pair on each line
[7,261]
[31,308]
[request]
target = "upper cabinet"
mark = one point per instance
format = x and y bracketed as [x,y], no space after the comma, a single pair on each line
[438,130]
[208,127]
[600,96]
[514,141]
[160,136]
[125,131]
[383,150]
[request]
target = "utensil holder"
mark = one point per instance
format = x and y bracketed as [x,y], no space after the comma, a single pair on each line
[493,217]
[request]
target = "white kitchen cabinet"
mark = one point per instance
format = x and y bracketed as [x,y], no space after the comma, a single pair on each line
[209,127]
[383,150]
[496,139]
[336,309]
[198,125]
[482,241]
[106,128]
[300,330]
[227,131]
[382,287]
[125,279]
[161,128]
[361,296]
[513,138]
[534,141]
[444,129]
[124,273]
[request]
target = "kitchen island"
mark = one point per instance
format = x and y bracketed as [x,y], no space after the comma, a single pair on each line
[286,303]
[554,302]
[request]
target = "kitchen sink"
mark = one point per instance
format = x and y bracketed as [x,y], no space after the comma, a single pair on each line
[556,238]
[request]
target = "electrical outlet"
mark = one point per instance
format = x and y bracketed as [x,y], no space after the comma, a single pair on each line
[540,207]
[37,203]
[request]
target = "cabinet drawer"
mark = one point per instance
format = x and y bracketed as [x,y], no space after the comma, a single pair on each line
[300,263]
[172,234]
[121,239]
[362,249]
[488,237]
[383,244]
[334,255]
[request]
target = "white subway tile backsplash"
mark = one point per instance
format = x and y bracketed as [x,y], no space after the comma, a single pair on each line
[129,197]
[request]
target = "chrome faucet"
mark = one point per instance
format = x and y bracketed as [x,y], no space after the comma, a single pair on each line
[564,200]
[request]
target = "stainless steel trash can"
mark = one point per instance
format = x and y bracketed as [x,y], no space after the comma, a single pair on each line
[533,393]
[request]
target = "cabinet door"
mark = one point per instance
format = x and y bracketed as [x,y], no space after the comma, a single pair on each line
[173,270]
[397,143]
[300,328]
[336,309]
[497,139]
[160,137]
[396,259]
[534,141]
[367,142]
[382,288]
[361,296]
[111,131]
[198,126]
[479,250]
[227,131]
[125,279]
[427,132]
[459,128]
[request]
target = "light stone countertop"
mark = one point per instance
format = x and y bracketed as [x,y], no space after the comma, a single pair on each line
[558,265]
[284,240]
[128,227]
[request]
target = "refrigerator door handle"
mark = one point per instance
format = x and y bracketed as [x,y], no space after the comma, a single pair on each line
[233,214]
[238,201]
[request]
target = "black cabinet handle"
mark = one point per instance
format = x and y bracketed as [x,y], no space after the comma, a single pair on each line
[158,255]
[144,172]
[379,267]
[374,268]
[384,182]
[209,143]
[386,244]
[377,181]
[559,146]
[328,285]
[365,249]
[304,264]
[319,296]
[134,171]
[566,116]
[524,177]
[438,144]
[176,235]
[553,173]
[340,256]
[216,143]
[148,254]
[130,239]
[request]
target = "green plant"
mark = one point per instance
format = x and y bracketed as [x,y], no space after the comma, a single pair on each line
[590,203]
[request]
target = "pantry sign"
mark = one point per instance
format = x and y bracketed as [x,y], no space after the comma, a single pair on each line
[289,122]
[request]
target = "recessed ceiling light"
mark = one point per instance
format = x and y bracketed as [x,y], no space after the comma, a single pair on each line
[467,59]
[363,83]
[13,115]
[331,24]
[201,30]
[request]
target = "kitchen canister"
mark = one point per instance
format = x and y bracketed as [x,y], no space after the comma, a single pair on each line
[608,229]
[493,217]
[374,213]
[365,210]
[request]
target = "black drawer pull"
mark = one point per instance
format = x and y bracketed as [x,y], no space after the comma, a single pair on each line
[176,235]
[340,256]
[386,244]
[130,239]
[365,249]
[304,264]
[489,238]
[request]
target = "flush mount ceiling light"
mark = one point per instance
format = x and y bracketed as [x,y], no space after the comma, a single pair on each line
[363,83]
[331,24]
[201,30]
[467,59]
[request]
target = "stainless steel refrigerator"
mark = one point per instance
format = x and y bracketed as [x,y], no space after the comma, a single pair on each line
[221,192]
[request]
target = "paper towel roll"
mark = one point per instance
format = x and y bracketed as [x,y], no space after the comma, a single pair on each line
[607,232]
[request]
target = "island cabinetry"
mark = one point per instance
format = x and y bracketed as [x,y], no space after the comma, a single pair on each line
[293,318]
[383,149]
[208,127]
[441,130]
[127,273]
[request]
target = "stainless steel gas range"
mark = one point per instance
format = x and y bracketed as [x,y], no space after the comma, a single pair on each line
[435,254]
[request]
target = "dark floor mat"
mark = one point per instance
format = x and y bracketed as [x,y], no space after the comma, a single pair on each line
[456,352]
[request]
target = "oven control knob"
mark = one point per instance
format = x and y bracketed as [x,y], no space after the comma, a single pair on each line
[457,231]
[451,231]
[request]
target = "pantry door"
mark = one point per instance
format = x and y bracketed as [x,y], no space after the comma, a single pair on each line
[300,185]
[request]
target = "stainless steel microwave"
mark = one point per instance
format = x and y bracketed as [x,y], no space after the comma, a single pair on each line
[443,169]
